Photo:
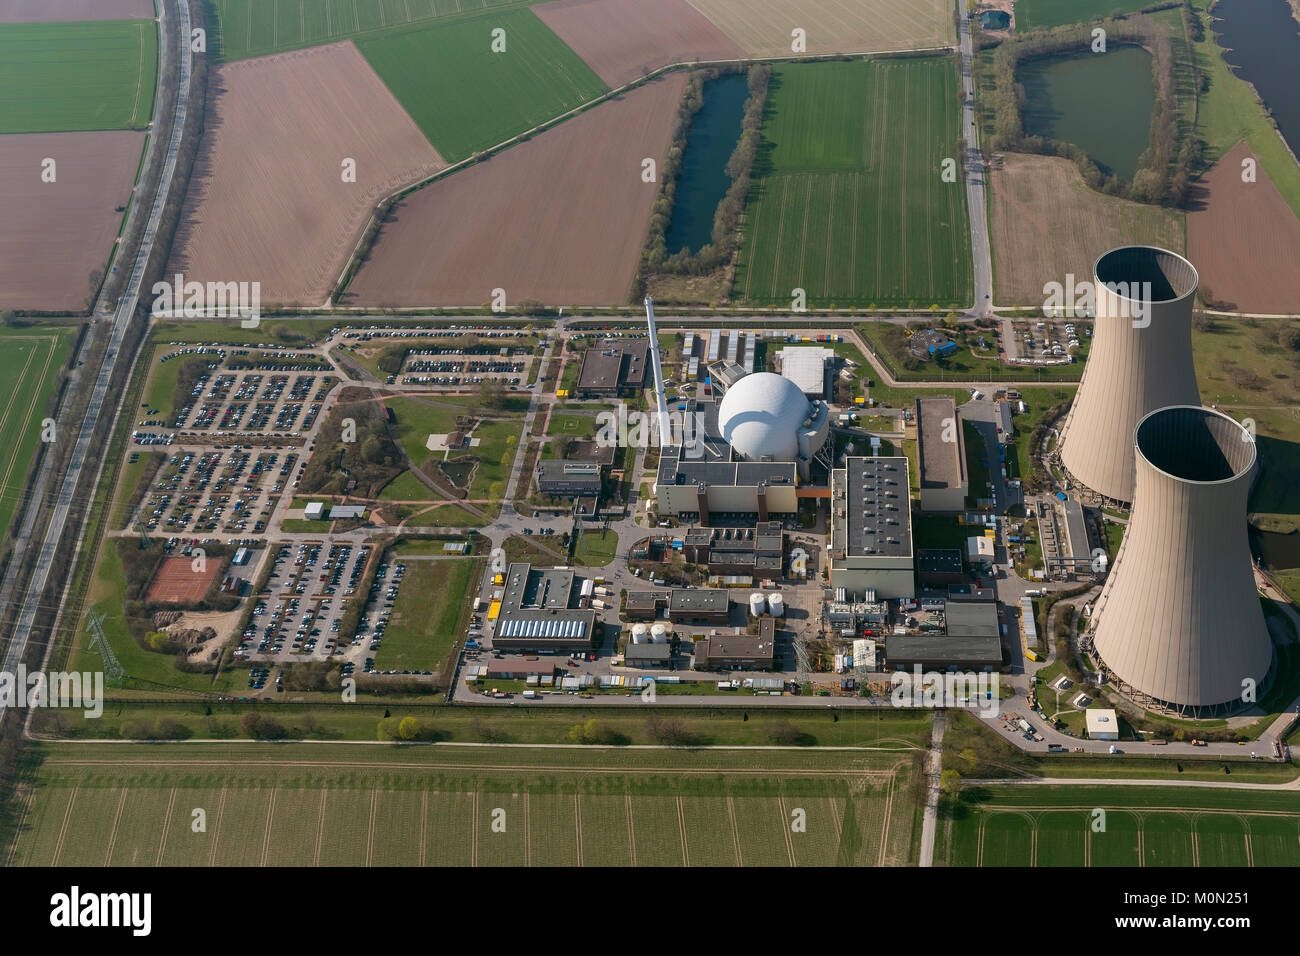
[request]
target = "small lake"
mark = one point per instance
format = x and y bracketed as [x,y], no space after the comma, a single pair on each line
[1279,551]
[703,179]
[1262,39]
[1101,102]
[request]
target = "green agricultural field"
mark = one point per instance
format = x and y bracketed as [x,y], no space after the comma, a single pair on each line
[1143,826]
[348,806]
[1055,13]
[428,614]
[258,27]
[62,77]
[464,96]
[30,362]
[848,202]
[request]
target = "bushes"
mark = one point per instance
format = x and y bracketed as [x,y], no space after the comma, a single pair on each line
[371,460]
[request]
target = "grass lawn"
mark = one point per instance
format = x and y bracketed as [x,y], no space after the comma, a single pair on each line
[1054,13]
[834,212]
[30,364]
[464,96]
[416,419]
[406,487]
[595,550]
[571,424]
[428,615]
[57,77]
[444,516]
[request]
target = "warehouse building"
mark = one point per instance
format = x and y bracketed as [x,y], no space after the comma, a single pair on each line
[942,452]
[614,366]
[539,613]
[738,651]
[806,366]
[569,477]
[648,655]
[871,528]
[969,640]
[692,605]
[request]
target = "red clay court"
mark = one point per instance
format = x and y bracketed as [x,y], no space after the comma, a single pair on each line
[176,581]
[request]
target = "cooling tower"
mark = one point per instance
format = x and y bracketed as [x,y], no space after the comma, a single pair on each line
[1138,363]
[1179,624]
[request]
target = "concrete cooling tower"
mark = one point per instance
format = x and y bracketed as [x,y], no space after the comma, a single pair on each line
[1179,625]
[1138,363]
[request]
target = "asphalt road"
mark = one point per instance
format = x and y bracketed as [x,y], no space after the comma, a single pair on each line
[976,174]
[83,450]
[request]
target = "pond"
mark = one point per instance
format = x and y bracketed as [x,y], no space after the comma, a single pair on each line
[1262,40]
[459,470]
[703,179]
[1101,102]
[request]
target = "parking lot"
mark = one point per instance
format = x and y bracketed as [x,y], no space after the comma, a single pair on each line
[299,614]
[229,491]
[1047,341]
[379,608]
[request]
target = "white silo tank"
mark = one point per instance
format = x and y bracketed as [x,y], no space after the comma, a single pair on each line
[659,633]
[757,604]
[640,633]
[776,603]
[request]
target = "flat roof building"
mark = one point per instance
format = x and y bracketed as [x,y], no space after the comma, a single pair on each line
[536,612]
[647,655]
[1102,723]
[738,651]
[969,639]
[569,477]
[614,366]
[941,450]
[706,605]
[806,367]
[871,528]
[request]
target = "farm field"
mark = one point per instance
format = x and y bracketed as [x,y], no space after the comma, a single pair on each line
[1046,223]
[435,806]
[53,235]
[1031,14]
[30,362]
[65,77]
[51,11]
[625,39]
[763,27]
[464,96]
[847,202]
[1244,240]
[1144,826]
[268,202]
[427,614]
[560,219]
[258,27]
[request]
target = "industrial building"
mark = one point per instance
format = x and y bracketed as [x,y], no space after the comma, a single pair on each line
[539,613]
[942,453]
[648,655]
[939,567]
[806,366]
[738,651]
[1102,723]
[1141,360]
[1178,626]
[756,551]
[614,366]
[569,477]
[969,640]
[871,528]
[689,605]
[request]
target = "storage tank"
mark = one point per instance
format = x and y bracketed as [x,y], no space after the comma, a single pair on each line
[660,633]
[776,603]
[640,633]
[757,604]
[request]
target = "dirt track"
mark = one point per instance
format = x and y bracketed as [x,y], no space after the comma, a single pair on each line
[52,11]
[1244,240]
[624,39]
[561,218]
[269,202]
[52,235]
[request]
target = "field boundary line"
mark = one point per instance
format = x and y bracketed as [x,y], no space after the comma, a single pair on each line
[979,845]
[1141,827]
[902,186]
[63,829]
[1250,849]
[424,816]
[528,833]
[139,79]
[370,830]
[4,419]
[1146,809]
[216,833]
[577,816]
[785,831]
[780,232]
[735,833]
[473,830]
[1087,847]
[28,801]
[632,831]
[681,828]
[167,823]
[112,836]
[1196,847]
[266,831]
[888,821]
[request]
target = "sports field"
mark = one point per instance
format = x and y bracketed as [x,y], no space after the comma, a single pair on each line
[1143,826]
[257,27]
[848,201]
[328,805]
[60,77]
[464,96]
[30,360]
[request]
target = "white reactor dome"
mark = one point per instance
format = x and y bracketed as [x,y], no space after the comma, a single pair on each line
[760,417]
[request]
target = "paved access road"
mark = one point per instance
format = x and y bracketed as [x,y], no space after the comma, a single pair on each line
[976,174]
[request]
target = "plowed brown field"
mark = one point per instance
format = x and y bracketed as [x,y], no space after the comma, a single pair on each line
[1244,240]
[268,202]
[625,39]
[561,218]
[51,11]
[52,235]
[1046,223]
